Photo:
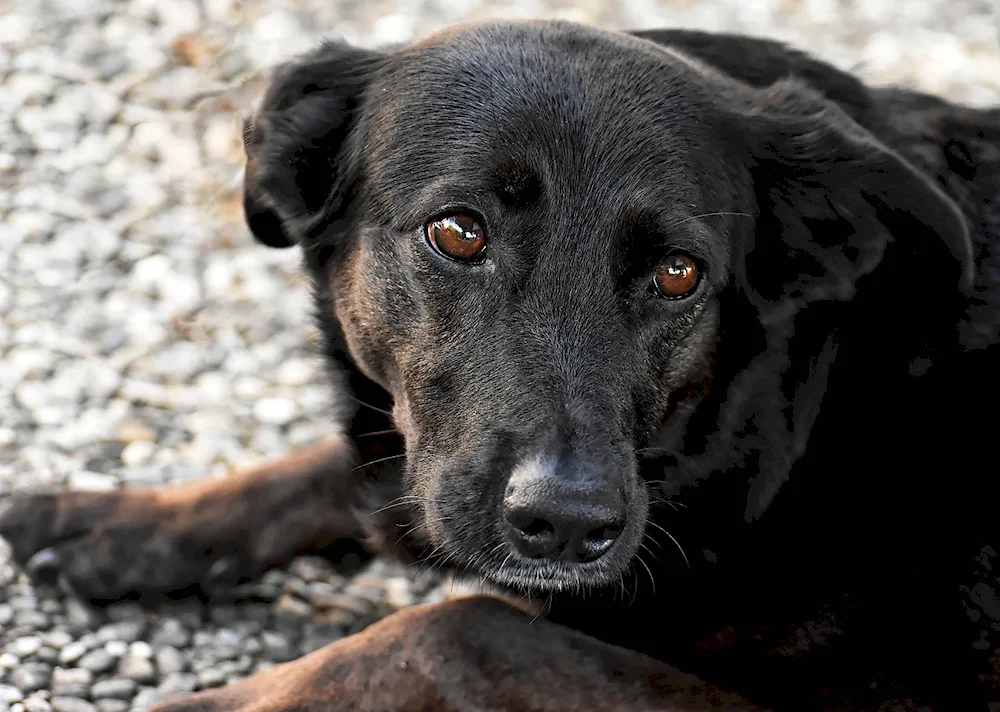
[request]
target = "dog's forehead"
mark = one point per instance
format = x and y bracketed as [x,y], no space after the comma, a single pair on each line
[579,101]
[486,75]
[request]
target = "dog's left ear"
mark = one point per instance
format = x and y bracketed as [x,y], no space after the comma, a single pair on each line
[300,160]
[831,198]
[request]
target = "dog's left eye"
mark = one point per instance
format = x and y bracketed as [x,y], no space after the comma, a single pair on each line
[458,237]
[677,276]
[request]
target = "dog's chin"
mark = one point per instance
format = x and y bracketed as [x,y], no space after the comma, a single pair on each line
[530,576]
[515,572]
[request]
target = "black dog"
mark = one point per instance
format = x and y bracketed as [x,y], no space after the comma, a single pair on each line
[692,336]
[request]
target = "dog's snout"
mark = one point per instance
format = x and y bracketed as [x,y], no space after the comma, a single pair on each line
[552,516]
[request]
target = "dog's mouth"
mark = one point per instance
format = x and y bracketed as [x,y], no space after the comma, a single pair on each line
[498,561]
[551,576]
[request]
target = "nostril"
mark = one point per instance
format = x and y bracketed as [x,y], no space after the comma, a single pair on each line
[607,532]
[597,541]
[536,527]
[534,537]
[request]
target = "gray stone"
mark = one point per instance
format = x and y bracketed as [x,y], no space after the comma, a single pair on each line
[71,704]
[47,655]
[31,619]
[211,677]
[169,660]
[115,688]
[31,676]
[71,682]
[97,661]
[72,652]
[137,668]
[92,482]
[25,646]
[116,648]
[9,694]
[141,649]
[179,682]
[171,633]
[36,704]
[57,639]
[147,697]
[292,611]
[277,647]
[80,614]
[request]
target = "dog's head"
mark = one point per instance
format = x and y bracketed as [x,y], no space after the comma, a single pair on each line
[531,235]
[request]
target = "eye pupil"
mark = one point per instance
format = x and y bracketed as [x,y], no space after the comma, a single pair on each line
[677,276]
[459,237]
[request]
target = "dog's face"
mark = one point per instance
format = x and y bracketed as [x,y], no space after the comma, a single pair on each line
[528,235]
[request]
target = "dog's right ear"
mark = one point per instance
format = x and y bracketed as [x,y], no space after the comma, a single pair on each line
[300,165]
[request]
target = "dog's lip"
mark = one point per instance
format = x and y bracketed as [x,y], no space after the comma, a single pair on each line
[522,573]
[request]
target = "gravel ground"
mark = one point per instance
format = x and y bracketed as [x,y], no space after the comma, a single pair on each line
[145,338]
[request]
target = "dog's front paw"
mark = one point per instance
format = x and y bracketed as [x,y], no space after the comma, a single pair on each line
[103,545]
[213,533]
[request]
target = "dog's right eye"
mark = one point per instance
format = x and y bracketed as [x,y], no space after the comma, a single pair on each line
[677,276]
[457,237]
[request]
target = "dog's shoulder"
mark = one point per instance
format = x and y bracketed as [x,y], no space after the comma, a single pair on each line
[959,147]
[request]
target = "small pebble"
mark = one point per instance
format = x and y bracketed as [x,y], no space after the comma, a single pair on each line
[171,633]
[277,647]
[47,655]
[31,676]
[130,431]
[25,647]
[116,648]
[112,705]
[146,697]
[93,482]
[169,660]
[137,668]
[36,704]
[9,660]
[114,688]
[57,639]
[275,411]
[97,661]
[179,682]
[9,695]
[72,652]
[71,704]
[212,677]
[72,682]
[80,614]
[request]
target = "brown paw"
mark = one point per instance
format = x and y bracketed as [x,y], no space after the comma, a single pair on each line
[213,533]
[103,545]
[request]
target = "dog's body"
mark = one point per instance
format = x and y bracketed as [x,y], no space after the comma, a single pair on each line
[775,476]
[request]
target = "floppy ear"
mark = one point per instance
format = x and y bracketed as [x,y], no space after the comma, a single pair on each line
[299,159]
[832,199]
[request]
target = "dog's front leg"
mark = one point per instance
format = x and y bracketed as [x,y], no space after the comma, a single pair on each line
[208,532]
[474,654]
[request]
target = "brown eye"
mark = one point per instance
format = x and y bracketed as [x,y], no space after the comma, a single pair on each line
[677,276]
[459,237]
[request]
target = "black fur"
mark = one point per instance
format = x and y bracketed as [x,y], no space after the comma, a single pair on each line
[812,426]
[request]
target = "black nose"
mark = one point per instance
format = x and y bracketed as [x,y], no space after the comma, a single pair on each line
[554,516]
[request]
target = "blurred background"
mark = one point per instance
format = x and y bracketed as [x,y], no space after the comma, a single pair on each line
[145,338]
